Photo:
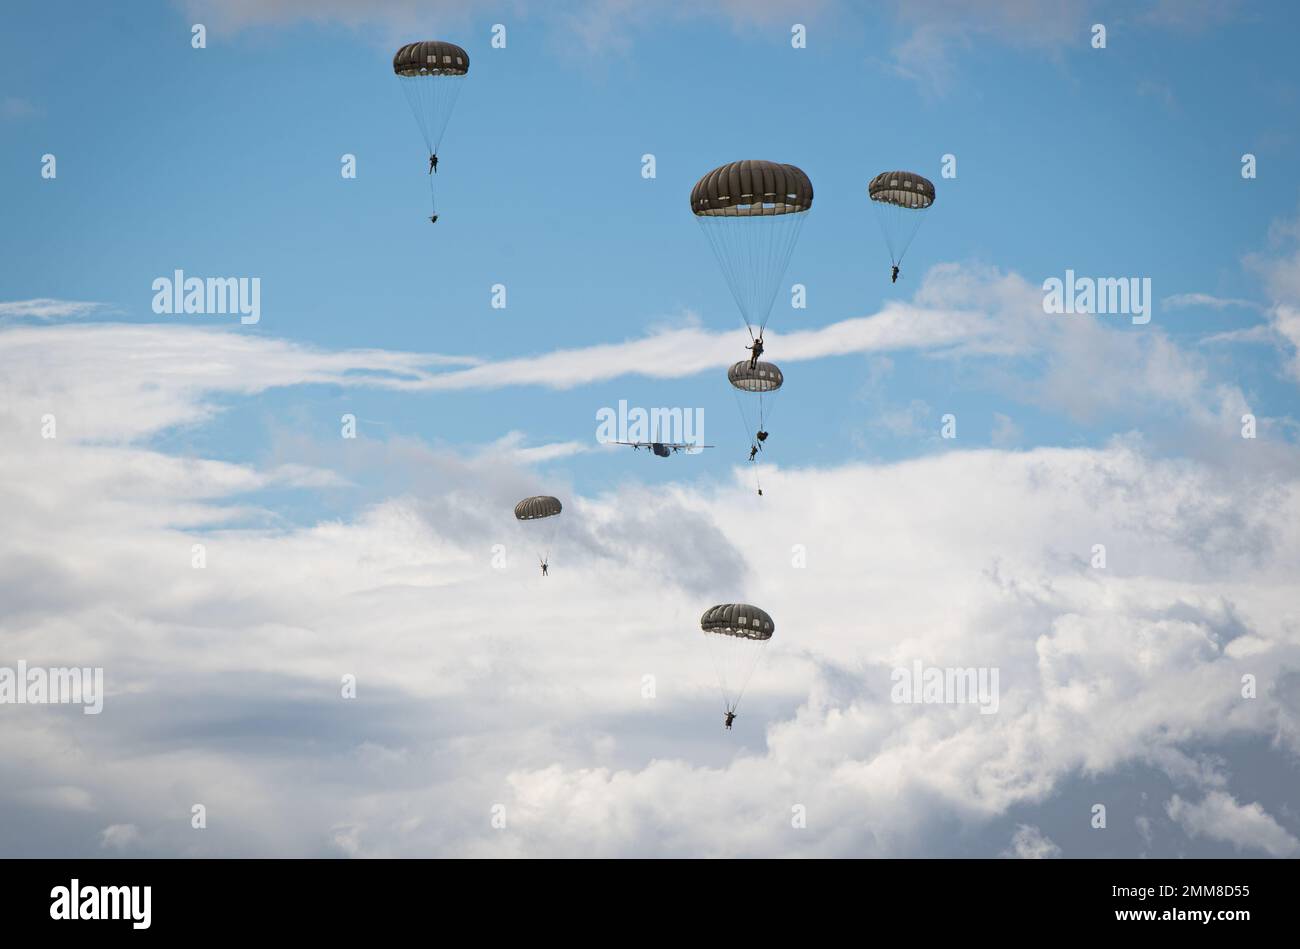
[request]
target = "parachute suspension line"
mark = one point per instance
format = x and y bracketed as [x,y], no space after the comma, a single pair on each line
[782,237]
[744,417]
[764,412]
[751,431]
[882,212]
[898,236]
[738,632]
[717,674]
[916,227]
[719,245]
[733,692]
[755,653]
[753,253]
[545,509]
[769,265]
[764,416]
[548,534]
[432,100]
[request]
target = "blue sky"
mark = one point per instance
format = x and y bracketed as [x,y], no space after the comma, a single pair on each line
[372,556]
[1123,161]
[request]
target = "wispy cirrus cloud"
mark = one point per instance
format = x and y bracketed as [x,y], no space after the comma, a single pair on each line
[16,107]
[935,32]
[127,382]
[1086,367]
[1262,333]
[1180,301]
[511,445]
[47,308]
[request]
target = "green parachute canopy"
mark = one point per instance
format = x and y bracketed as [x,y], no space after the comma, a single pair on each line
[430,73]
[752,212]
[762,377]
[530,509]
[737,619]
[755,391]
[736,634]
[900,198]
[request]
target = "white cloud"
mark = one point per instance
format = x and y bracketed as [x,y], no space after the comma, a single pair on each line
[119,837]
[481,685]
[1183,300]
[512,446]
[1254,334]
[124,382]
[1005,430]
[1246,826]
[936,29]
[48,309]
[1029,843]
[169,372]
[1281,273]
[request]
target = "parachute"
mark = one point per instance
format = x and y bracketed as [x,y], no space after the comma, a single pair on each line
[900,199]
[530,509]
[754,390]
[752,212]
[430,73]
[736,634]
[542,508]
